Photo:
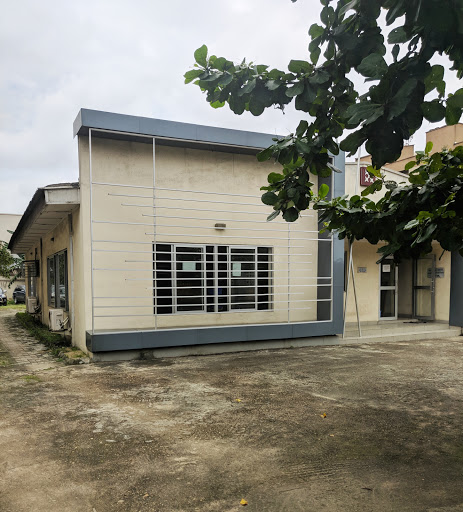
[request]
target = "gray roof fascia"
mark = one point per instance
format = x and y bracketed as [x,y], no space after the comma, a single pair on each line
[173,130]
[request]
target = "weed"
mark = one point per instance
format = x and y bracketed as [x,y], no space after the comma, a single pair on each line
[55,342]
[31,378]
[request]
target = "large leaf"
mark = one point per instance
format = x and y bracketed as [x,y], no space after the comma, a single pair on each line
[433,111]
[201,55]
[299,66]
[372,66]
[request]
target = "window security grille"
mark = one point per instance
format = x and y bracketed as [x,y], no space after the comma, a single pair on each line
[211,278]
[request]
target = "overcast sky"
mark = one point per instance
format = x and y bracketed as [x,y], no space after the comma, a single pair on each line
[127,57]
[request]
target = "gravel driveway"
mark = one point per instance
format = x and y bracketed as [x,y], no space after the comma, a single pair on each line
[203,433]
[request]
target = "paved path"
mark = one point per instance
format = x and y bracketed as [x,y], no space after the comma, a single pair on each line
[22,347]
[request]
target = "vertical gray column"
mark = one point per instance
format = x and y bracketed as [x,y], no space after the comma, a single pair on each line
[456,291]
[331,254]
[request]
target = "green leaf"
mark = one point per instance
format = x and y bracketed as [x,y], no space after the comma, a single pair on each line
[291,214]
[302,128]
[299,66]
[217,104]
[372,66]
[433,110]
[272,84]
[398,35]
[428,147]
[274,177]
[315,31]
[413,223]
[364,111]
[323,190]
[353,141]
[295,90]
[434,78]
[410,165]
[269,198]
[192,74]
[265,154]
[401,99]
[248,87]
[201,55]
[273,215]
[314,55]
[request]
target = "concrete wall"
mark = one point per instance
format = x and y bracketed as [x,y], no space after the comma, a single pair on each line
[215,174]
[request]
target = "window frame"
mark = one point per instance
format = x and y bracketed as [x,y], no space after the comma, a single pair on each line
[212,275]
[54,261]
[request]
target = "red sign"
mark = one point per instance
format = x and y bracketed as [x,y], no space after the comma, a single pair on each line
[365,177]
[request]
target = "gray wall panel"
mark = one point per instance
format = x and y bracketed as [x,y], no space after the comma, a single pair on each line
[456,291]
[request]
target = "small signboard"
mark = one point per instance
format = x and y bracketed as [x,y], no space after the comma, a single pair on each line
[361,270]
[386,268]
[440,272]
[366,178]
[236,269]
[189,266]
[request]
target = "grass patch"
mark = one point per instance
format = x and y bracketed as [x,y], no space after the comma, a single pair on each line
[31,378]
[55,342]
[11,305]
[5,359]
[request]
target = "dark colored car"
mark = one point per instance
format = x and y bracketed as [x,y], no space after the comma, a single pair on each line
[19,294]
[3,299]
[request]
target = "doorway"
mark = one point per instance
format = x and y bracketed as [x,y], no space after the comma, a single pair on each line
[424,279]
[388,277]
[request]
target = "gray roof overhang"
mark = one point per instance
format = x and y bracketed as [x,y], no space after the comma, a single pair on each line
[169,133]
[47,208]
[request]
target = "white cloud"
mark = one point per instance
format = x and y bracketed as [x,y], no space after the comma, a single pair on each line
[126,57]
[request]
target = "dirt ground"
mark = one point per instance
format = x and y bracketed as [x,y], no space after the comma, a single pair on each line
[203,433]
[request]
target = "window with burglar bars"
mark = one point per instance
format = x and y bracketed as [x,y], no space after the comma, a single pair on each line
[211,278]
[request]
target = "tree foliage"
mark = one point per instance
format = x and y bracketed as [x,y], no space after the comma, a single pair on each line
[427,207]
[404,89]
[11,266]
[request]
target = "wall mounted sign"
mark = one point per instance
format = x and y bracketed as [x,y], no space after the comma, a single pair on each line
[439,272]
[236,269]
[386,268]
[361,270]
[189,265]
[365,178]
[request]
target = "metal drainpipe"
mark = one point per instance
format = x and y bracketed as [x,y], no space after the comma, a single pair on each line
[71,264]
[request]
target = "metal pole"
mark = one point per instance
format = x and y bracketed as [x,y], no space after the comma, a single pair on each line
[347,292]
[91,223]
[155,298]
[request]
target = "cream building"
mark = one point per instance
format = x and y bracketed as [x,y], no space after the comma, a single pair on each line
[429,289]
[164,242]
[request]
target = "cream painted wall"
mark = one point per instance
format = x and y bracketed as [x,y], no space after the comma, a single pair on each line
[125,213]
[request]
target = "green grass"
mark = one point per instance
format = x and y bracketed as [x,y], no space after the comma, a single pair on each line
[11,305]
[31,378]
[55,342]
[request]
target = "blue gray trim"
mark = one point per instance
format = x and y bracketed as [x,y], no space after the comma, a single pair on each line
[138,340]
[456,291]
[171,131]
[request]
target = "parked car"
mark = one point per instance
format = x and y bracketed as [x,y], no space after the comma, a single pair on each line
[3,299]
[19,294]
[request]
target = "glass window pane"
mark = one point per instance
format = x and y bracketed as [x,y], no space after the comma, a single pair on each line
[189,265]
[51,281]
[243,278]
[61,270]
[387,307]
[387,273]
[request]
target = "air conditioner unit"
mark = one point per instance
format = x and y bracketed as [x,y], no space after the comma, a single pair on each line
[56,318]
[31,304]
